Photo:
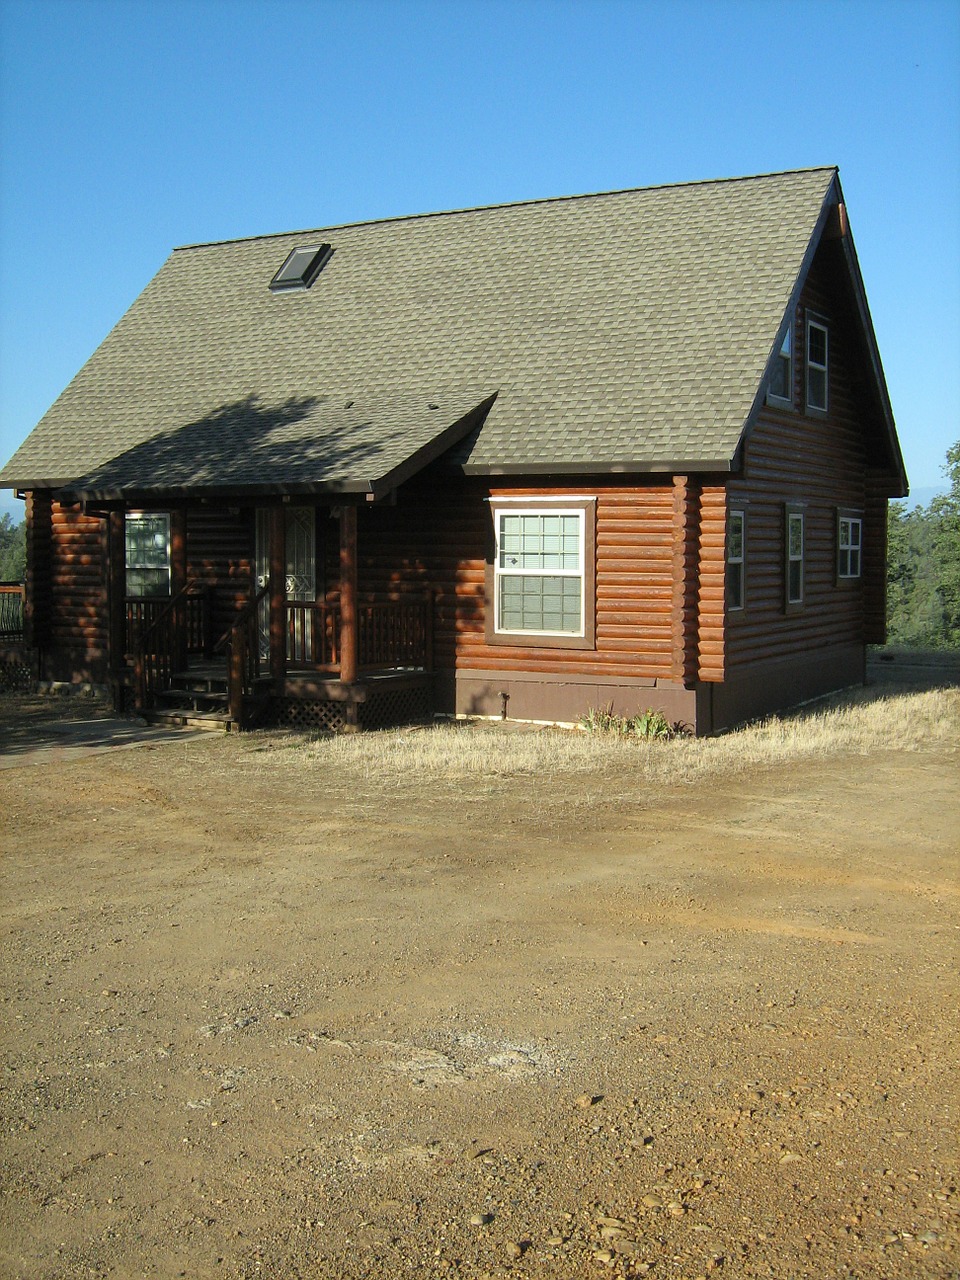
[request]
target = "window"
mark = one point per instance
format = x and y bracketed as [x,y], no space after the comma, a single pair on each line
[816,364]
[735,559]
[541,573]
[539,570]
[301,268]
[849,544]
[794,560]
[781,377]
[147,540]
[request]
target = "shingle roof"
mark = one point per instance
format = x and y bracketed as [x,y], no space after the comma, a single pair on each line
[627,330]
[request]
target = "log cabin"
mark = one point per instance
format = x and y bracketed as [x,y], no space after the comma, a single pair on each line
[628,450]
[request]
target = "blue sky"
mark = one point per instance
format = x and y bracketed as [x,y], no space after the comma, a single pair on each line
[127,128]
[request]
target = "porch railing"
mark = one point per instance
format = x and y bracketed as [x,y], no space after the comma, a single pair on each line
[143,611]
[159,651]
[390,633]
[11,610]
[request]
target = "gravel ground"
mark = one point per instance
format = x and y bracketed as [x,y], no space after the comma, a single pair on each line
[268,1018]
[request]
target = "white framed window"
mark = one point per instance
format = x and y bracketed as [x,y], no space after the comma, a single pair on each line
[539,576]
[817,364]
[794,557]
[849,545]
[147,544]
[781,376]
[736,531]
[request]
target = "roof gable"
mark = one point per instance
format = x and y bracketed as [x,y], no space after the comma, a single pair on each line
[621,331]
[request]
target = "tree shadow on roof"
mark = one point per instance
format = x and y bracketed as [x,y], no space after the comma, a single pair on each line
[321,441]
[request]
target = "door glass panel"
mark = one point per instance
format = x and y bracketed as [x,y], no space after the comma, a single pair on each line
[301,579]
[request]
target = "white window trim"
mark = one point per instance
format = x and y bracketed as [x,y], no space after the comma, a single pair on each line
[524,507]
[848,547]
[817,322]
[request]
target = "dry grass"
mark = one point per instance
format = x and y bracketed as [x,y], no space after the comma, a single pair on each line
[853,725]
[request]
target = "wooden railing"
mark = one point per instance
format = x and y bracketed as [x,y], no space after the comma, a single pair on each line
[143,612]
[160,650]
[11,610]
[391,633]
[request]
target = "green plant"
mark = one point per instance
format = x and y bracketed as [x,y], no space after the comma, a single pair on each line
[650,724]
[647,725]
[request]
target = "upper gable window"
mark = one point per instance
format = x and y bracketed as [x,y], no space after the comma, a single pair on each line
[781,377]
[817,368]
[301,268]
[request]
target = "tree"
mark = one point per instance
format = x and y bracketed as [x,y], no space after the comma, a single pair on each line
[13,549]
[923,568]
[946,545]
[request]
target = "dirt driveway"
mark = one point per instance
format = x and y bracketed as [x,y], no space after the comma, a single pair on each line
[266,1015]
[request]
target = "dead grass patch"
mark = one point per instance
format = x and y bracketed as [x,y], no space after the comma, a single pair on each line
[902,721]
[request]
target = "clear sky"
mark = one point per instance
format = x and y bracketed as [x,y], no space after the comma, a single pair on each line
[130,126]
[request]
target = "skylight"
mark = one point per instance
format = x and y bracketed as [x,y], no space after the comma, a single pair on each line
[301,268]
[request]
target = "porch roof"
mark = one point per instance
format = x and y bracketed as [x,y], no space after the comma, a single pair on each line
[311,444]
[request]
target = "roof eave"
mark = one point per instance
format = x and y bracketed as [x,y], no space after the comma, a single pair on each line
[644,466]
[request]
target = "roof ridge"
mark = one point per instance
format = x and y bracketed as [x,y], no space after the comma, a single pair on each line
[506,204]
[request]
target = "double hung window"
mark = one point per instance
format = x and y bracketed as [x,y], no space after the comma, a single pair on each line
[541,575]
[849,546]
[147,538]
[539,572]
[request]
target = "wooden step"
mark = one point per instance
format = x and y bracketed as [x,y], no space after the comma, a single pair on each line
[185,718]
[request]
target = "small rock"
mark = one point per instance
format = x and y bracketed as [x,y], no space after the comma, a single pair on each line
[653,1200]
[589,1099]
[481,1219]
[513,1249]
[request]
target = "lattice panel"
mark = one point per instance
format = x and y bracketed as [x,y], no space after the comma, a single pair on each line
[388,707]
[302,713]
[17,674]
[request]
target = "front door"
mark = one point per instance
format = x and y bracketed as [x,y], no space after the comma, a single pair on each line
[301,578]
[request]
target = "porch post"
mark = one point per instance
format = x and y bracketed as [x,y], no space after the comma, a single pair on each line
[278,596]
[178,578]
[117,603]
[349,646]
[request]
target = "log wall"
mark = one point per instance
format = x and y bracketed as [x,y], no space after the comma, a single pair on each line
[67,589]
[822,463]
[442,541]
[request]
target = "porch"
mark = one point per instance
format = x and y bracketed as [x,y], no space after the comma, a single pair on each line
[177,670]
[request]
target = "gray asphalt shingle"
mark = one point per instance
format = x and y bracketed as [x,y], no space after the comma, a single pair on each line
[629,329]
